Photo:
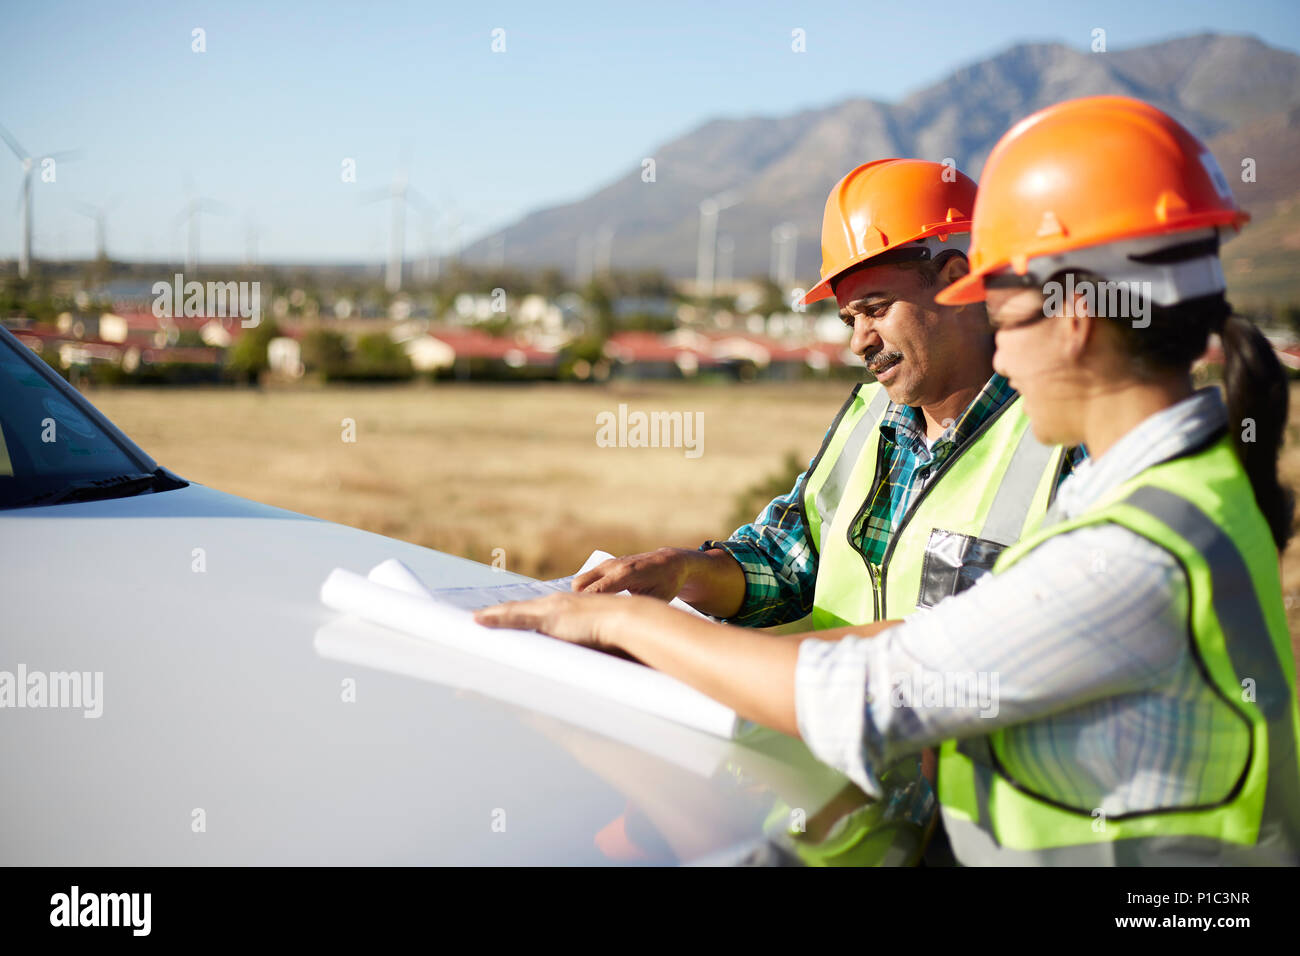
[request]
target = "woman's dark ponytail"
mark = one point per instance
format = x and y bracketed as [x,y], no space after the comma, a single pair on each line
[1258,395]
[1256,387]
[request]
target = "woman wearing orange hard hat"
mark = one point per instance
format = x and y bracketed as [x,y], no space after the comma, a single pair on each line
[1121,690]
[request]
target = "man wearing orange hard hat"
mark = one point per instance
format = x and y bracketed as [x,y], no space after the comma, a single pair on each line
[926,474]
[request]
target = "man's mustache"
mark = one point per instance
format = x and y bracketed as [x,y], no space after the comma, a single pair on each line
[877,359]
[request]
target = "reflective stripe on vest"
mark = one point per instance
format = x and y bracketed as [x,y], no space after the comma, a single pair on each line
[1259,821]
[828,483]
[984,497]
[1010,508]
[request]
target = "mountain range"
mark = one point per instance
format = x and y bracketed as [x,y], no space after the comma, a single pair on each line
[1238,93]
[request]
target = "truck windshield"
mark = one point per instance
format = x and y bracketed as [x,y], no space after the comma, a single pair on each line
[51,450]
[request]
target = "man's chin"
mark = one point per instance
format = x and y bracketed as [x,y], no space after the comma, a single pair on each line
[890,375]
[899,391]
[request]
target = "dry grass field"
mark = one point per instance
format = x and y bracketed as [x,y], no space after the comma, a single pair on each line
[470,469]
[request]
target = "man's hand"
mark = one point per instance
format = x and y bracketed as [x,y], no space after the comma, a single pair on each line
[659,574]
[710,581]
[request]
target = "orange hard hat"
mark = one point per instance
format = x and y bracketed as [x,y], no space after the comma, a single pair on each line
[1085,173]
[886,204]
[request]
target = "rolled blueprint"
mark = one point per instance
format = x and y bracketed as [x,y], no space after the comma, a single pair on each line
[626,682]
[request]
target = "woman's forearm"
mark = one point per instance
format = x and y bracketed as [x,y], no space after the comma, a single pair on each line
[746,670]
[750,671]
[836,633]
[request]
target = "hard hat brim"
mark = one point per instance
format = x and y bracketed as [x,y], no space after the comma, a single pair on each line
[969,288]
[823,290]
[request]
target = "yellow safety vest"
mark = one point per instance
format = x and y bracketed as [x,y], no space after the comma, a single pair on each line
[1201,509]
[983,498]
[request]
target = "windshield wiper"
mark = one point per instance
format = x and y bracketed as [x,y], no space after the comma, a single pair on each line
[97,489]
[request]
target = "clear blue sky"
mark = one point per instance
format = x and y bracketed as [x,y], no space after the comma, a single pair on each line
[262,121]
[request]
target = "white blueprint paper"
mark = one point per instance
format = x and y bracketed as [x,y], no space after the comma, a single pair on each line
[394,597]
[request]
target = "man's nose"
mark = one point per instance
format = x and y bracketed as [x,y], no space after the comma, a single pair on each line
[864,335]
[998,356]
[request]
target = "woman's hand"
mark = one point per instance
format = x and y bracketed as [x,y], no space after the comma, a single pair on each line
[748,672]
[590,619]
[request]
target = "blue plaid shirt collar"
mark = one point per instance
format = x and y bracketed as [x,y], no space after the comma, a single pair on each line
[904,425]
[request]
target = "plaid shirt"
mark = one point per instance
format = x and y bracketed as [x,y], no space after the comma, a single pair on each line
[775,551]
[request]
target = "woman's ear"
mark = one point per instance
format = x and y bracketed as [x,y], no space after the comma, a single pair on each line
[1079,326]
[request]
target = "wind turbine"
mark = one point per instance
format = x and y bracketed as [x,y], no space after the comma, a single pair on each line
[428,216]
[191,214]
[432,265]
[785,239]
[726,258]
[708,248]
[25,196]
[98,214]
[398,194]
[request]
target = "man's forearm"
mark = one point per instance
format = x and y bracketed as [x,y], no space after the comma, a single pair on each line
[715,585]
